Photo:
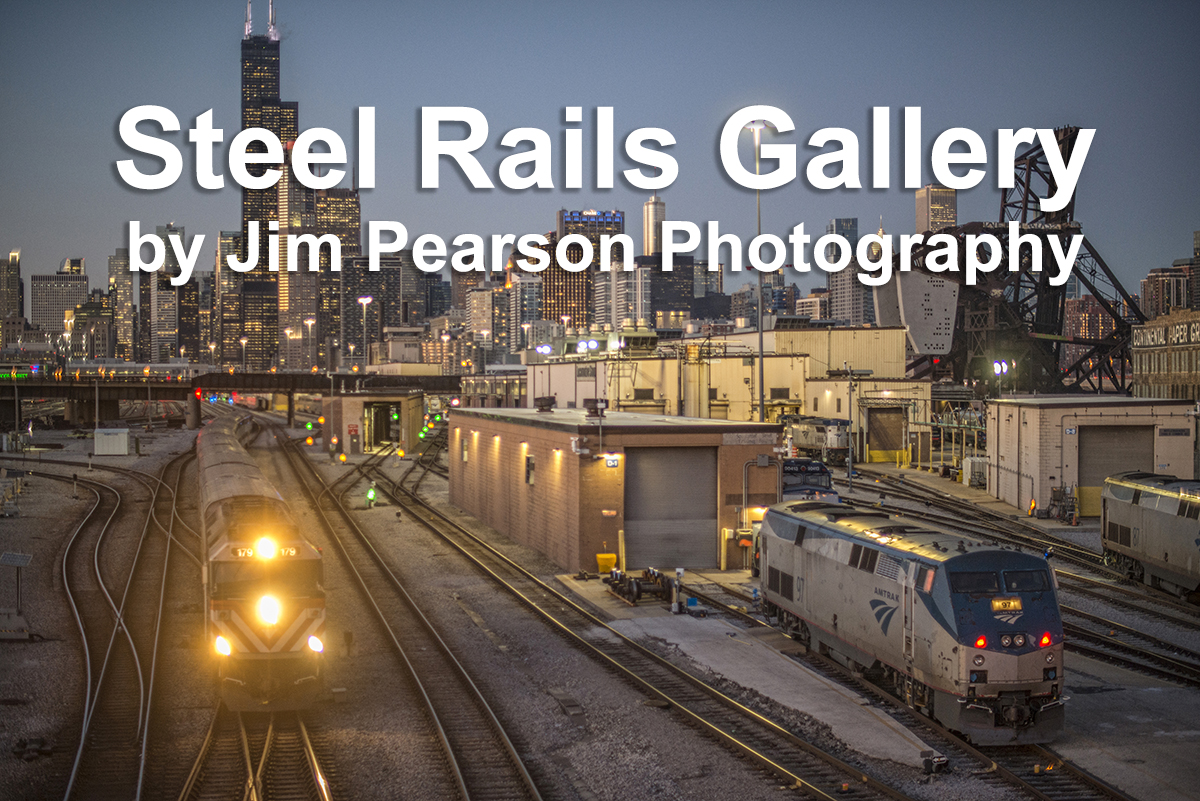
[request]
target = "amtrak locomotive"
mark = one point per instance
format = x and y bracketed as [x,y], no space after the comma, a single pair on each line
[265,605]
[823,438]
[1150,527]
[966,632]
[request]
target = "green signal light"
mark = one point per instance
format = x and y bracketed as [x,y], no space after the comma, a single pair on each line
[308,426]
[421,435]
[437,418]
[371,494]
[395,416]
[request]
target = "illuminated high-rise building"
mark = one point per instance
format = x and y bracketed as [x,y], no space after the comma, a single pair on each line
[73,267]
[850,301]
[164,299]
[12,302]
[339,213]
[569,293]
[654,211]
[51,296]
[120,292]
[227,300]
[261,108]
[937,208]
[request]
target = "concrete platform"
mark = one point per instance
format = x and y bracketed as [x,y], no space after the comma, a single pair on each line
[758,660]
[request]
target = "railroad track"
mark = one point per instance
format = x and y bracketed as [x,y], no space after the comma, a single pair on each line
[120,636]
[803,765]
[480,755]
[257,756]
[1035,770]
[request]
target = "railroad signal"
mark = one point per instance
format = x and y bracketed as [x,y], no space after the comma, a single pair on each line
[400,453]
[308,441]
[342,458]
[198,393]
[321,420]
[437,418]
[333,440]
[308,426]
[371,495]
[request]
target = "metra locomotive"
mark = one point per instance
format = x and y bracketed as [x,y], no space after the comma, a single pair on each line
[262,581]
[1150,527]
[966,632]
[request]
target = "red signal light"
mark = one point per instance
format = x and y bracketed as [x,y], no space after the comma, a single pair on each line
[1045,641]
[981,641]
[198,393]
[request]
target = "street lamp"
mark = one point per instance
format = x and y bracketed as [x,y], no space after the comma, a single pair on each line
[212,352]
[525,336]
[365,301]
[244,340]
[309,348]
[287,353]
[566,319]
[757,127]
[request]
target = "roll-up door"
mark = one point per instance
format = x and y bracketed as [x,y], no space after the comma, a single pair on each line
[885,433]
[670,508]
[1105,450]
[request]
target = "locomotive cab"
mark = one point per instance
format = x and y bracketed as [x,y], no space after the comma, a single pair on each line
[1009,647]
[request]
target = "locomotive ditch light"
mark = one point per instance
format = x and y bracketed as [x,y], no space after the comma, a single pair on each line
[1006,641]
[981,641]
[315,644]
[265,548]
[978,660]
[1045,641]
[268,610]
[223,646]
[1019,640]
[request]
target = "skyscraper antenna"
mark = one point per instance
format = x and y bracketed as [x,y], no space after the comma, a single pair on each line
[249,26]
[272,31]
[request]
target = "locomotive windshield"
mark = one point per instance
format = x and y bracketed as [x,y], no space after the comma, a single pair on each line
[975,582]
[237,579]
[1026,580]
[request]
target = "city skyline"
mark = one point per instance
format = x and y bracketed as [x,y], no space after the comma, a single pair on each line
[60,196]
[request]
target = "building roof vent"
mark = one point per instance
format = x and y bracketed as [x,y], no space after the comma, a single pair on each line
[545,403]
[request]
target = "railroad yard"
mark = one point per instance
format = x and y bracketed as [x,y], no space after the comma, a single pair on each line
[457,663]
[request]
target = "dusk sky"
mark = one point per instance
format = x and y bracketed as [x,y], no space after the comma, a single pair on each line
[70,70]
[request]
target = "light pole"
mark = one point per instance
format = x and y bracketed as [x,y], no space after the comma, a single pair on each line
[287,338]
[566,320]
[244,340]
[365,301]
[309,349]
[757,127]
[212,352]
[525,336]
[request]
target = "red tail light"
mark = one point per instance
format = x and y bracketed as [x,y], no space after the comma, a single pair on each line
[981,641]
[1045,640]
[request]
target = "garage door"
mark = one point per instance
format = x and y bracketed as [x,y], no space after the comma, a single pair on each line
[1105,450]
[885,433]
[670,508]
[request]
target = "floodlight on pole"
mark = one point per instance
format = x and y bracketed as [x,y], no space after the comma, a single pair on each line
[757,127]
[365,300]
[244,340]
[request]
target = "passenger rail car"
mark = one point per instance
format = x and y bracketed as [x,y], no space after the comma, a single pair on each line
[265,603]
[968,633]
[823,438]
[1150,529]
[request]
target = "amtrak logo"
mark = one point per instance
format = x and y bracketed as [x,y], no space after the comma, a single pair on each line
[1009,618]
[883,613]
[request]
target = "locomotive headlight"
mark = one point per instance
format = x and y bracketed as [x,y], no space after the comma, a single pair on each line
[223,646]
[314,642]
[265,548]
[978,660]
[1019,640]
[1006,640]
[268,610]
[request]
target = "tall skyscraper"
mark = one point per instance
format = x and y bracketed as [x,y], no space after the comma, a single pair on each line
[850,300]
[937,208]
[339,212]
[73,267]
[51,296]
[568,293]
[654,211]
[164,299]
[227,303]
[262,108]
[120,291]
[12,304]
[524,307]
